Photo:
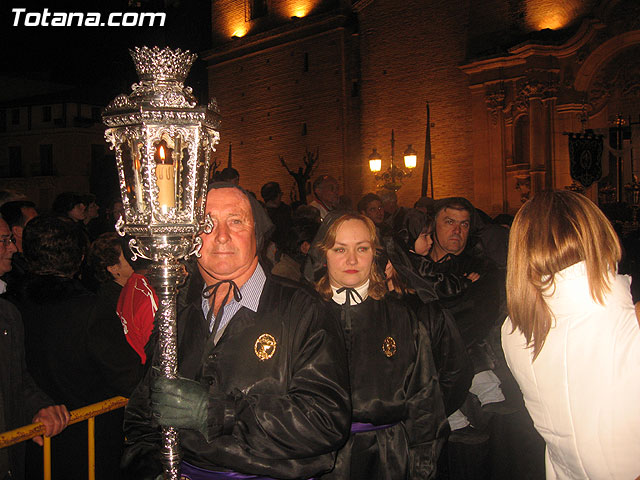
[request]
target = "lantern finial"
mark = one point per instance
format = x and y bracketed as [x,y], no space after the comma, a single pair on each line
[163,65]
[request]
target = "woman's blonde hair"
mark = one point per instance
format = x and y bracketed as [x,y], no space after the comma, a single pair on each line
[551,232]
[377,287]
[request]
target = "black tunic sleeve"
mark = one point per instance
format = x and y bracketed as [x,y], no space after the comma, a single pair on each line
[452,361]
[114,357]
[426,422]
[33,397]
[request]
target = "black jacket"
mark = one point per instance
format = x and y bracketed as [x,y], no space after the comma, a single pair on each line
[21,397]
[282,417]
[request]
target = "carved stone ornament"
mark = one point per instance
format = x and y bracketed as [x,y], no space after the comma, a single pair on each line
[495,103]
[539,89]
[619,78]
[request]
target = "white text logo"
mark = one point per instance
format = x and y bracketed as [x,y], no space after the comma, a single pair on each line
[89,19]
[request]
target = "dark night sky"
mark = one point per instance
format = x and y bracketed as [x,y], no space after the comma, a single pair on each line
[94,59]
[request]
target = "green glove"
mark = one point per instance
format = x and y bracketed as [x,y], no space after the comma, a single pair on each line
[180,403]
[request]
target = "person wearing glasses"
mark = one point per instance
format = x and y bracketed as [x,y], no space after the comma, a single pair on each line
[21,400]
[7,249]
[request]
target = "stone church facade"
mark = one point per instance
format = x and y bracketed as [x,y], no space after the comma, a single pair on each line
[505,80]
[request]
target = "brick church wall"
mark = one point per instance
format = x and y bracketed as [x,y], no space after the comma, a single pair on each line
[410,54]
[271,106]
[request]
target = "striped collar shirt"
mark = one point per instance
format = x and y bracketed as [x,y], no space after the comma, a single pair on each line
[250,291]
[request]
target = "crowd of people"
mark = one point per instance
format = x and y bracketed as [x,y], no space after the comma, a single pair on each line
[328,341]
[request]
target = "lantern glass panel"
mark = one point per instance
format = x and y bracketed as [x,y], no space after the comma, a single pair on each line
[202,182]
[132,162]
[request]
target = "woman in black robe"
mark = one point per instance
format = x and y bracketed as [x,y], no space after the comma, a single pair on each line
[398,418]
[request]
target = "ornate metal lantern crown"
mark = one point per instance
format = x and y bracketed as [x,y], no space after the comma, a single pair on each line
[166,64]
[163,142]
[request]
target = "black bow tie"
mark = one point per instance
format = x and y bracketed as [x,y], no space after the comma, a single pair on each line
[350,293]
[212,291]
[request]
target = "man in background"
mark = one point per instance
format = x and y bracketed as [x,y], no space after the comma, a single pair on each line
[327,194]
[21,400]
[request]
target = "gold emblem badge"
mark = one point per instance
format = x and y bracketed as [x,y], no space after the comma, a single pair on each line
[389,347]
[265,347]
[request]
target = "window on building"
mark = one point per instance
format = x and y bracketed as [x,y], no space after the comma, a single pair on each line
[306,62]
[257,9]
[521,140]
[46,114]
[46,160]
[15,161]
[15,116]
[304,129]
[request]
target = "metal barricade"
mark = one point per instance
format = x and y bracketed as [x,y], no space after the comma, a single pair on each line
[88,413]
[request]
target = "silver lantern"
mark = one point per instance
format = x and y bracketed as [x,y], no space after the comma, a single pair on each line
[163,142]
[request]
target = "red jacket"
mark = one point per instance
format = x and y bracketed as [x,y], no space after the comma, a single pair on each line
[136,308]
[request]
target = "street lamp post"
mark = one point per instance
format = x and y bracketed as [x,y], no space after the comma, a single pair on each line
[392,178]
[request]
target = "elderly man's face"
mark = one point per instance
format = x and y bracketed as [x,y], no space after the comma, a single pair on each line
[7,247]
[329,192]
[229,251]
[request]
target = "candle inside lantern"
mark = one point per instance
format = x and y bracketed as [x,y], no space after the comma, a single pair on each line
[165,175]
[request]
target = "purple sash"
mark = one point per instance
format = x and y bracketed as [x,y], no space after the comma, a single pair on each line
[357,427]
[191,472]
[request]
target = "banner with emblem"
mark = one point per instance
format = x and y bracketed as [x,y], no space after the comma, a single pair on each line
[585,153]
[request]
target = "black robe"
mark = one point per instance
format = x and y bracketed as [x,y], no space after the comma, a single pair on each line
[399,387]
[77,353]
[282,417]
[21,397]
[479,308]
[452,362]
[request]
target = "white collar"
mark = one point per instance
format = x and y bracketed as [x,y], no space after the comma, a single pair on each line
[341,298]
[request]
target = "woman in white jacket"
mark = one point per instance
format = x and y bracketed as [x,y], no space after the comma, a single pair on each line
[572,338]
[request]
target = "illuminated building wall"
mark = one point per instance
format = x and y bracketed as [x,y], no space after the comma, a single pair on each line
[504,79]
[286,92]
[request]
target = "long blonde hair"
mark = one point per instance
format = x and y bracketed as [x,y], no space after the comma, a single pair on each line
[377,287]
[551,232]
